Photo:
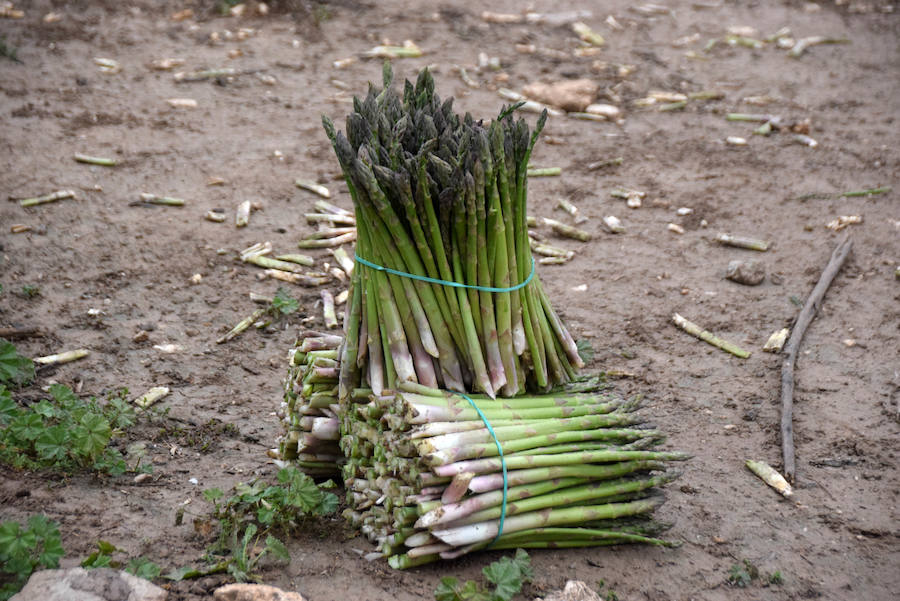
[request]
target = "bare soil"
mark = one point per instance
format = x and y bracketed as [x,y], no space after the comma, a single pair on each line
[132,266]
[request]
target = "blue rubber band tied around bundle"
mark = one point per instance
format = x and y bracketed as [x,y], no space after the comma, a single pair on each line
[423,278]
[502,463]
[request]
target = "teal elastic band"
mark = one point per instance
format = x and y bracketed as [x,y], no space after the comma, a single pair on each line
[445,282]
[502,463]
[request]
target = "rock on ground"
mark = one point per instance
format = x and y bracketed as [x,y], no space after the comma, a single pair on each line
[254,592]
[572,95]
[749,273]
[78,584]
[575,590]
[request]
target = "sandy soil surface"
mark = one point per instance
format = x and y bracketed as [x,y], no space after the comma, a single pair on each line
[107,269]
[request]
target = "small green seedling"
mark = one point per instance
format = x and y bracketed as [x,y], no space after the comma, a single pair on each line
[742,574]
[15,369]
[103,558]
[64,432]
[23,550]
[283,303]
[249,519]
[29,291]
[506,576]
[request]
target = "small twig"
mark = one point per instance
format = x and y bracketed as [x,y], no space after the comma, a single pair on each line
[707,336]
[793,346]
[18,333]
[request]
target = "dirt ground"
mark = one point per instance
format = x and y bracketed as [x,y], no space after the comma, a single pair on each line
[107,269]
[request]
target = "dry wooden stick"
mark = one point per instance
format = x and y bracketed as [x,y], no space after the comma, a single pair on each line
[17,333]
[793,346]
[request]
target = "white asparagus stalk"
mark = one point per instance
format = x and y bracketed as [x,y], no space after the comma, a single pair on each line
[341,297]
[547,250]
[151,396]
[313,187]
[803,43]
[261,299]
[327,242]
[776,341]
[327,231]
[420,539]
[473,533]
[428,550]
[340,255]
[242,325]
[553,260]
[768,475]
[64,357]
[182,76]
[297,278]
[162,200]
[743,242]
[103,162]
[269,263]
[182,103]
[567,206]
[407,50]
[706,336]
[330,218]
[260,248]
[242,214]
[107,65]
[567,230]
[52,197]
[614,224]
[328,311]
[588,35]
[457,488]
[298,259]
[325,428]
[215,216]
[326,207]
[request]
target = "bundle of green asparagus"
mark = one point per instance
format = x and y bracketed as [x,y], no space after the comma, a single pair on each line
[445,294]
[425,479]
[309,409]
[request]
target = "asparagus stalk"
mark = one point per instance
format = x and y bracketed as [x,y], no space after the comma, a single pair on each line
[474,533]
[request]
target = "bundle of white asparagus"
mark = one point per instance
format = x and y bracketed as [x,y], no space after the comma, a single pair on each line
[309,409]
